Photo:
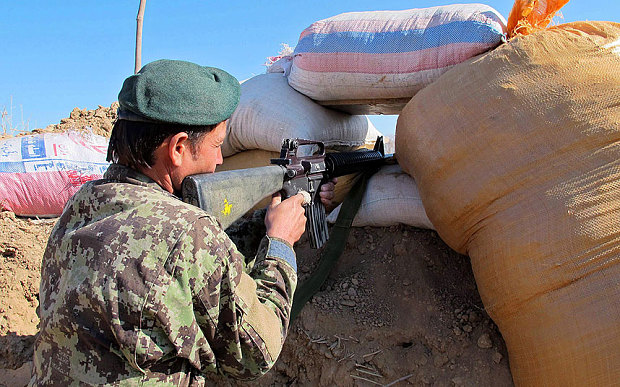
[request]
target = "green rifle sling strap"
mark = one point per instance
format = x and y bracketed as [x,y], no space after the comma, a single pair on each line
[334,247]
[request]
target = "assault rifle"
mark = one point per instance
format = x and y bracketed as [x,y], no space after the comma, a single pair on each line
[229,195]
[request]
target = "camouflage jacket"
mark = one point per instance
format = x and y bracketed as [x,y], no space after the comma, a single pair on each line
[139,288]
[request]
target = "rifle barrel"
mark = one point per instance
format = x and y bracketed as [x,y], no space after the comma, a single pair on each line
[344,163]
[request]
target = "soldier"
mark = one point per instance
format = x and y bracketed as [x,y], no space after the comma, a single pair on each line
[138,287]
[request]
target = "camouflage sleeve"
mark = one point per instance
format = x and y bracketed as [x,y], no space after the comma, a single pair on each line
[246,314]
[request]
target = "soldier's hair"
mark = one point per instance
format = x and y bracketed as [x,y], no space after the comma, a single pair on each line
[133,143]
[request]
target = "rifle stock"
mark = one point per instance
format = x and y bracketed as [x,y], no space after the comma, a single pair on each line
[229,195]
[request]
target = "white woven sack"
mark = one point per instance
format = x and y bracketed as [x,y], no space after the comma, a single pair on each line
[270,111]
[391,198]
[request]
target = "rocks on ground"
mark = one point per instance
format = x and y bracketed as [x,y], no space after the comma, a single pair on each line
[99,120]
[400,306]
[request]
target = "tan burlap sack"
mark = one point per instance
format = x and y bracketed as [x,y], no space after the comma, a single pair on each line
[517,157]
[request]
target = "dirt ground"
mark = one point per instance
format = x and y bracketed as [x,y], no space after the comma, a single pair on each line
[399,305]
[399,308]
[22,242]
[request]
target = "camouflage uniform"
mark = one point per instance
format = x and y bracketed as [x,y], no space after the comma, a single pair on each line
[140,288]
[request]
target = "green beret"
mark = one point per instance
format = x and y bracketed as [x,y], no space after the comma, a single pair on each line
[179,92]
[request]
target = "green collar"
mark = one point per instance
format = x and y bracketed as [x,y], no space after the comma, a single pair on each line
[124,174]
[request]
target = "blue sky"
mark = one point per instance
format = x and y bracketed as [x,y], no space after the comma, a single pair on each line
[58,55]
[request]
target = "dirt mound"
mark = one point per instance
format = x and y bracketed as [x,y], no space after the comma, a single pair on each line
[399,306]
[22,242]
[100,121]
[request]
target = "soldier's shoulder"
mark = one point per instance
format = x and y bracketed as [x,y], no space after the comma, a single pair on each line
[109,198]
[185,211]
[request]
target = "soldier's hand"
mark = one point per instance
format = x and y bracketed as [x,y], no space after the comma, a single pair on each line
[327,192]
[286,219]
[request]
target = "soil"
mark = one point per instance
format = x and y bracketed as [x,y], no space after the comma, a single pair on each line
[399,304]
[22,242]
[99,121]
[399,308]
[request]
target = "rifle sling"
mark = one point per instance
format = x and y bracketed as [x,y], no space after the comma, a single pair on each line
[334,247]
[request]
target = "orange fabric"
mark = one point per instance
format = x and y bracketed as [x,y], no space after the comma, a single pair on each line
[529,15]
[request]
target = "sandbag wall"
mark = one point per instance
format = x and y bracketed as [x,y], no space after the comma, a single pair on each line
[391,198]
[270,111]
[381,54]
[517,157]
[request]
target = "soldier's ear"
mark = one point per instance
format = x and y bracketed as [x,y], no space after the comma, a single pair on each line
[178,148]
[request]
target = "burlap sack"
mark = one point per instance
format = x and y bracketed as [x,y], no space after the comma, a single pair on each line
[517,157]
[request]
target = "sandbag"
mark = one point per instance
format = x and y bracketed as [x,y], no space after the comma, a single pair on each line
[517,157]
[247,159]
[389,54]
[391,198]
[39,173]
[270,111]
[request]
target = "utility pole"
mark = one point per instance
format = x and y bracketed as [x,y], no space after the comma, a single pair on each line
[139,20]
